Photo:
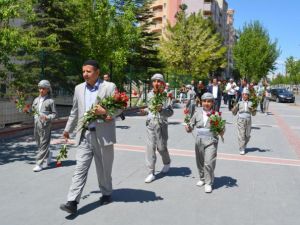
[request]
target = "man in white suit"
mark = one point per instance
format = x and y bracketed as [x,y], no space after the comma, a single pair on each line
[95,141]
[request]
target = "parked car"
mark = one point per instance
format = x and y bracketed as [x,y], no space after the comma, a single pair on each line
[282,95]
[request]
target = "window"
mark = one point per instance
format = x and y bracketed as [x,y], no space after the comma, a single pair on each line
[207,1]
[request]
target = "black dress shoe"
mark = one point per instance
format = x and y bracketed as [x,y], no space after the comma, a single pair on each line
[70,207]
[105,199]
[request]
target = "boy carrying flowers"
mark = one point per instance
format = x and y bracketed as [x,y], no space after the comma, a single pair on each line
[157,126]
[44,112]
[244,109]
[208,126]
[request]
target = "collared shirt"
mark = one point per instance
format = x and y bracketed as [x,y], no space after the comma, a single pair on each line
[245,106]
[41,100]
[205,117]
[215,91]
[90,94]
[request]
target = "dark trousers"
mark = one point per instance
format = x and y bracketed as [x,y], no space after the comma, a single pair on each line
[231,99]
[217,105]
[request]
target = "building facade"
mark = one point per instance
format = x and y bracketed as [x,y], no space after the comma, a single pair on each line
[217,10]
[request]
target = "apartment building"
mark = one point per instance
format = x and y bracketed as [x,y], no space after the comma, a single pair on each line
[164,11]
[217,10]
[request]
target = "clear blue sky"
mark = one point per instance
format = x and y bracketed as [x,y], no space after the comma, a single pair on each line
[280,17]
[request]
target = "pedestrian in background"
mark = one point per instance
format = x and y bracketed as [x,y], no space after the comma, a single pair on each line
[157,130]
[216,91]
[191,100]
[267,100]
[44,112]
[206,143]
[244,110]
[231,89]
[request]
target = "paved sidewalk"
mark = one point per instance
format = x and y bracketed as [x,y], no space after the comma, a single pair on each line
[261,187]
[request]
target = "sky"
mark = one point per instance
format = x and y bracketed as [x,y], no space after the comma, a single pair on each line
[281,18]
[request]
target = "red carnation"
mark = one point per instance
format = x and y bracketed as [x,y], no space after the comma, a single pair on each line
[58,164]
[220,113]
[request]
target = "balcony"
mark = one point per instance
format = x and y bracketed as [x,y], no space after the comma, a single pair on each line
[157,3]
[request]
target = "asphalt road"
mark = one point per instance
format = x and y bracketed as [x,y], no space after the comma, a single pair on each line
[261,187]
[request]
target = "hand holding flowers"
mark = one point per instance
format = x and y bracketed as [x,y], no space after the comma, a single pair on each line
[63,154]
[157,101]
[105,108]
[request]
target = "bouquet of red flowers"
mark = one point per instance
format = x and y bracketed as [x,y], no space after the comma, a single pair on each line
[63,154]
[158,100]
[217,124]
[187,117]
[111,104]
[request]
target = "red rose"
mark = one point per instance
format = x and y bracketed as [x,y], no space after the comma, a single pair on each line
[213,112]
[208,114]
[186,111]
[220,113]
[58,164]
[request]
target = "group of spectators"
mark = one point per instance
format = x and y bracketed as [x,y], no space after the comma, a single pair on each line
[230,91]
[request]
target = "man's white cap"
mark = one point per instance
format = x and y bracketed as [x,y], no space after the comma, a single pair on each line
[158,76]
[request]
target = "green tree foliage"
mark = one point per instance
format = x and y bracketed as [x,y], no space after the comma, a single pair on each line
[11,36]
[144,57]
[193,46]
[56,55]
[254,53]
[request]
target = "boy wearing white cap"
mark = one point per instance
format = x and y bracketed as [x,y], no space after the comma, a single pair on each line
[206,142]
[244,110]
[157,130]
[45,112]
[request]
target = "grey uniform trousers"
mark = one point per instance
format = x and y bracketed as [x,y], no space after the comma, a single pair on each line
[244,130]
[42,135]
[206,157]
[156,139]
[104,155]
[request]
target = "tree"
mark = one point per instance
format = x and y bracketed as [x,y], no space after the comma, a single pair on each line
[193,46]
[254,53]
[56,55]
[11,36]
[144,57]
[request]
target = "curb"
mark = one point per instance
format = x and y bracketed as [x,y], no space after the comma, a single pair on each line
[26,129]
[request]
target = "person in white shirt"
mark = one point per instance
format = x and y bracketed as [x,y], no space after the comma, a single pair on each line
[231,89]
[45,112]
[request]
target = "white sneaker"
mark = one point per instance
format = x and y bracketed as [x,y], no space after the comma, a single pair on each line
[37,168]
[207,188]
[49,159]
[166,168]
[266,114]
[242,152]
[150,178]
[200,183]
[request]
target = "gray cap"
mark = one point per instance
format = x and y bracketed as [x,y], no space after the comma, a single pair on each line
[158,76]
[246,91]
[207,95]
[44,84]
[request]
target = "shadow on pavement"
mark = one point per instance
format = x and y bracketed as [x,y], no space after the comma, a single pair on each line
[257,150]
[120,195]
[226,181]
[123,127]
[11,152]
[175,172]
[174,123]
